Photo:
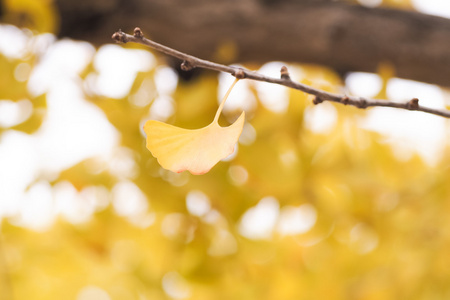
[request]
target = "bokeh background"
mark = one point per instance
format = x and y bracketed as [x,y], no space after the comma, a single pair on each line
[317,202]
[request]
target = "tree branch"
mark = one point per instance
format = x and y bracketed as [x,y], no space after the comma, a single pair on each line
[190,62]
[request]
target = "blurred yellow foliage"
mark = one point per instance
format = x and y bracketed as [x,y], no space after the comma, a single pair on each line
[39,15]
[296,214]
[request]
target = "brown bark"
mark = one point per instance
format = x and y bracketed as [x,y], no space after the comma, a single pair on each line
[344,37]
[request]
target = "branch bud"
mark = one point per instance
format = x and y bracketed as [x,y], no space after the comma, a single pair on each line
[317,100]
[138,33]
[285,73]
[186,66]
[119,37]
[345,100]
[413,104]
[362,103]
[239,74]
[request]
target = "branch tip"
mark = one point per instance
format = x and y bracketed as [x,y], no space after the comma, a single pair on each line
[317,100]
[345,100]
[186,66]
[285,73]
[239,74]
[413,104]
[138,33]
[120,37]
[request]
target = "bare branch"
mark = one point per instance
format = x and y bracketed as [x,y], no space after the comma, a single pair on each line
[190,62]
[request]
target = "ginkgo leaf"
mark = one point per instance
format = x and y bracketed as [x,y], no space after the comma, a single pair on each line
[198,150]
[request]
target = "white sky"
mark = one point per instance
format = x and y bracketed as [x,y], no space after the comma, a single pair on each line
[74,130]
[433,7]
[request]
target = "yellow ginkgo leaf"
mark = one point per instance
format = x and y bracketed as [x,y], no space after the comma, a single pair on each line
[178,149]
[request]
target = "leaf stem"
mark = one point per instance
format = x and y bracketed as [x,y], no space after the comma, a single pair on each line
[219,110]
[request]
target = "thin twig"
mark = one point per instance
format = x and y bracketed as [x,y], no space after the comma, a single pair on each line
[190,62]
